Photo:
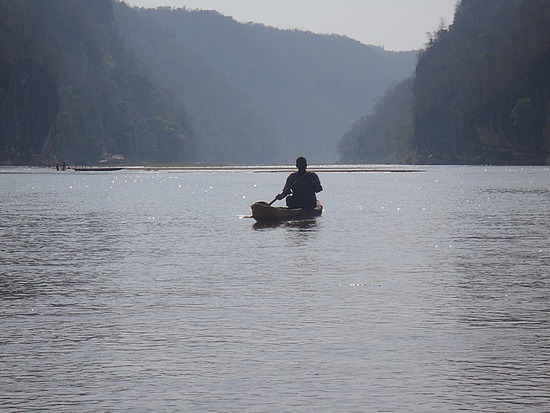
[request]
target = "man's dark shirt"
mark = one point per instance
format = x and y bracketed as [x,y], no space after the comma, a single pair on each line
[303,188]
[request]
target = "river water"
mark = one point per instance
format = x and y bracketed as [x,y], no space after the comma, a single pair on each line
[151,291]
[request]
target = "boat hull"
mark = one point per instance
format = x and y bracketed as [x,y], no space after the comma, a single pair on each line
[263,212]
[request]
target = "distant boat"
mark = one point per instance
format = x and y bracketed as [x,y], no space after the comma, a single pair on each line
[96,169]
[263,212]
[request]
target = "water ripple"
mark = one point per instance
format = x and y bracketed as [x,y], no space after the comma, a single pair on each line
[140,291]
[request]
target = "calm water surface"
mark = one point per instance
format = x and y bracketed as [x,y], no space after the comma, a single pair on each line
[149,291]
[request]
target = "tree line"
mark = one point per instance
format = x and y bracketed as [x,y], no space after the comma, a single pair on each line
[88,81]
[71,91]
[480,93]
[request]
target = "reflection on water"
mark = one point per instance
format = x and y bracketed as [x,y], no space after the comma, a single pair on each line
[303,225]
[134,291]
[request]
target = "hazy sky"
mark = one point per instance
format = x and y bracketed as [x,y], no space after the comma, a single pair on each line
[393,24]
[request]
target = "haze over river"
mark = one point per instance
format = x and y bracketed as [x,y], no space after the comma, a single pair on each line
[150,291]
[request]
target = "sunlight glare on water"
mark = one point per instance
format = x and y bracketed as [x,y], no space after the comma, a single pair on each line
[142,290]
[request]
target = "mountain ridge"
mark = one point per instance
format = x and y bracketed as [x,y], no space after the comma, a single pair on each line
[85,82]
[309,87]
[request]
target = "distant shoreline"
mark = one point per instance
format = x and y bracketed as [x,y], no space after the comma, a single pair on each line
[271,168]
[221,168]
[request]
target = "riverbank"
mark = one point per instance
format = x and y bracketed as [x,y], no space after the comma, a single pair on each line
[254,168]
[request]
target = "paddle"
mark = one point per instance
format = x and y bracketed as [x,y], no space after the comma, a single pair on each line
[272,201]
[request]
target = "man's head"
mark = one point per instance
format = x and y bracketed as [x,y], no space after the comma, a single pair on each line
[301,163]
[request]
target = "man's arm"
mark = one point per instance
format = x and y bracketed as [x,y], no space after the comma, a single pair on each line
[286,190]
[315,182]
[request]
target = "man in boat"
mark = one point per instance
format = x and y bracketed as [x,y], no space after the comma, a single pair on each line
[301,187]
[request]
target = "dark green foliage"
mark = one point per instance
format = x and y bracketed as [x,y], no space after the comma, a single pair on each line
[481,93]
[385,135]
[28,83]
[69,89]
[82,81]
[482,87]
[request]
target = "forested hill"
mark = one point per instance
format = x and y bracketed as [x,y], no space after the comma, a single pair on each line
[85,81]
[481,93]
[70,90]
[256,93]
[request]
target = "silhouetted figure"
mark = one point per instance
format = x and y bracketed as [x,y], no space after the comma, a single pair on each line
[301,187]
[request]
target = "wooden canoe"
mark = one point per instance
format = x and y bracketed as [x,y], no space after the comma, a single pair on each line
[263,212]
